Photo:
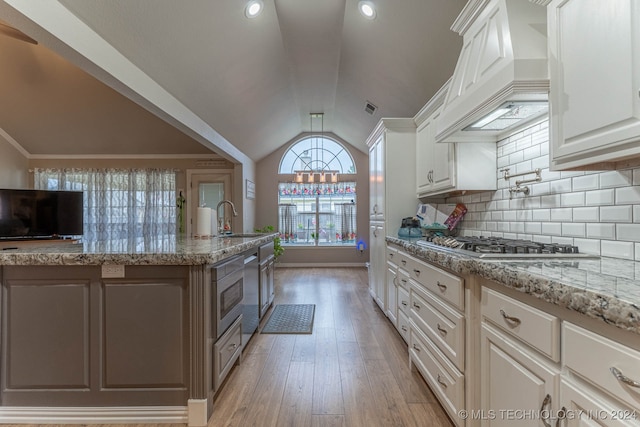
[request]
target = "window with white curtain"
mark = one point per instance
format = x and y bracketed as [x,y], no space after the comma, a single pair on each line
[119,203]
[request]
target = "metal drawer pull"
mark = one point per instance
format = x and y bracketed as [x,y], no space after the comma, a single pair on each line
[415,270]
[416,305]
[404,303]
[403,280]
[404,328]
[514,320]
[404,262]
[442,330]
[390,255]
[233,346]
[620,377]
[562,415]
[416,348]
[444,384]
[545,403]
[441,286]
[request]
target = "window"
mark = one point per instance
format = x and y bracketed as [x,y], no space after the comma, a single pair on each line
[317,213]
[119,204]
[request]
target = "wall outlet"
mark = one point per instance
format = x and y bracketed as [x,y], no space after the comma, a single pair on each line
[110,271]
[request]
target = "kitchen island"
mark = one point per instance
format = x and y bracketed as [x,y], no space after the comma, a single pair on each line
[117,330]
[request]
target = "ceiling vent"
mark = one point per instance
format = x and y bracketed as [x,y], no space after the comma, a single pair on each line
[370,108]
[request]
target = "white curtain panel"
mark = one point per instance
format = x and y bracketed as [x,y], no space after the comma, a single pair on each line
[119,203]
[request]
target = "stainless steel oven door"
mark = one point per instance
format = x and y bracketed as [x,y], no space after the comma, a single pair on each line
[228,304]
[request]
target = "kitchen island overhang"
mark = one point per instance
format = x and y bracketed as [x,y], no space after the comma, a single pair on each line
[83,343]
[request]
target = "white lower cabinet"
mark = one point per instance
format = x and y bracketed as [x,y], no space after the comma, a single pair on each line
[517,387]
[392,293]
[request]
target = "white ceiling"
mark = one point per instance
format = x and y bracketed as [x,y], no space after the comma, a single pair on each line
[253,81]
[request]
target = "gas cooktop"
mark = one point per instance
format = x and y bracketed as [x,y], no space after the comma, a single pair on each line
[492,247]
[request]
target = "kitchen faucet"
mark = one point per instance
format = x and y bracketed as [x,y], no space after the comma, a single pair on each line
[221,220]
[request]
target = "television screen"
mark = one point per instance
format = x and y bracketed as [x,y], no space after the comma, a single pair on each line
[40,213]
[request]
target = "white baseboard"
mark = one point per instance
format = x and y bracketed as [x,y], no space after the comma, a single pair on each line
[94,415]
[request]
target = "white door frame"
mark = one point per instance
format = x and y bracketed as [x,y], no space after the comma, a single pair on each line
[190,193]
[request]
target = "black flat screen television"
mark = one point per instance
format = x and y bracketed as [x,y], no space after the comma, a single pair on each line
[28,214]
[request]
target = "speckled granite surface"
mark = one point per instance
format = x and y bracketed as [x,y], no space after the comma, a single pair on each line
[167,250]
[604,288]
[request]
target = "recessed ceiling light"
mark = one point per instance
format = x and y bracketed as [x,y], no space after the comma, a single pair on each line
[367,9]
[253,9]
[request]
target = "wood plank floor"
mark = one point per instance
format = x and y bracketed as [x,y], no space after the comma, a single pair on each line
[352,371]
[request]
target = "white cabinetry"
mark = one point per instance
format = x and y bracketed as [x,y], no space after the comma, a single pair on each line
[513,375]
[611,396]
[392,196]
[447,167]
[594,62]
[392,286]
[437,332]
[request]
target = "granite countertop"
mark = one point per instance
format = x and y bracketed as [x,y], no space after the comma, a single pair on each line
[152,250]
[603,288]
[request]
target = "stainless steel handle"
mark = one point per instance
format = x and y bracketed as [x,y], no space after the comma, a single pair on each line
[623,379]
[391,254]
[404,281]
[404,262]
[415,270]
[404,328]
[441,329]
[444,384]
[441,286]
[514,320]
[375,232]
[416,348]
[561,416]
[416,305]
[404,303]
[233,346]
[546,402]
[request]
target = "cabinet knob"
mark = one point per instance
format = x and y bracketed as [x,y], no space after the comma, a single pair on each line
[404,262]
[441,286]
[416,271]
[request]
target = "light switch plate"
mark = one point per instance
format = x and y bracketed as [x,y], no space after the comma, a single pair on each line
[110,271]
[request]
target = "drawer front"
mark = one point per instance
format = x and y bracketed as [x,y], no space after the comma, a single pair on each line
[225,352]
[404,301]
[535,327]
[392,255]
[403,280]
[445,381]
[611,366]
[445,285]
[403,326]
[443,325]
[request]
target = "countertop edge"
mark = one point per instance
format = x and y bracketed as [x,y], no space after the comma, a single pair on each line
[68,258]
[607,308]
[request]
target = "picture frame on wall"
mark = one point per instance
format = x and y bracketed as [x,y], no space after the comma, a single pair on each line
[250,189]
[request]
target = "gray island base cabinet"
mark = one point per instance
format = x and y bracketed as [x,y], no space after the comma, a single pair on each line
[81,346]
[72,338]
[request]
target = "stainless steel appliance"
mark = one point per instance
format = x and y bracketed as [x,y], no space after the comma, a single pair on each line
[493,247]
[227,293]
[251,300]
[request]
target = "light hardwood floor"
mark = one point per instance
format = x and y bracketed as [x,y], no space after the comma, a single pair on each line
[352,371]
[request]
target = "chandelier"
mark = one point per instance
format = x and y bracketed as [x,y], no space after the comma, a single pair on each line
[316,158]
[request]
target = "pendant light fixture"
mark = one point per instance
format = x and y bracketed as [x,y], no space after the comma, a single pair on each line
[316,165]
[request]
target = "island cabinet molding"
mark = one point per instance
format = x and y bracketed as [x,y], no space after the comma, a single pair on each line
[594,85]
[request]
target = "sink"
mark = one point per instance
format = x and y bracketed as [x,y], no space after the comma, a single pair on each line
[240,235]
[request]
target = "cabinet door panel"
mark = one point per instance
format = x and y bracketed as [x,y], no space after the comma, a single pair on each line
[513,380]
[585,408]
[594,64]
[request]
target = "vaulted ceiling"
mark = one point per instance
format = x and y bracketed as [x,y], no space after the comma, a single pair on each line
[253,82]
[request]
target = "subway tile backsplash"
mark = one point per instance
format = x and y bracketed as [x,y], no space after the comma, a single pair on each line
[599,211]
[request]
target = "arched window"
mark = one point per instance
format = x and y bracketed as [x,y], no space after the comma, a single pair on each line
[317,154]
[315,211]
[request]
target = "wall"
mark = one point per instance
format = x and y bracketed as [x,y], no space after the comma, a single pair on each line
[13,166]
[597,211]
[267,180]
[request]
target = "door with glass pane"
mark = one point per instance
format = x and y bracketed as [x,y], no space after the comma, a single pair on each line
[208,189]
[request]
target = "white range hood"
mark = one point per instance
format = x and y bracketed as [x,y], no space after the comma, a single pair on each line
[502,71]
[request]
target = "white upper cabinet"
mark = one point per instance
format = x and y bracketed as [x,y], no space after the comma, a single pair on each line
[594,62]
[446,167]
